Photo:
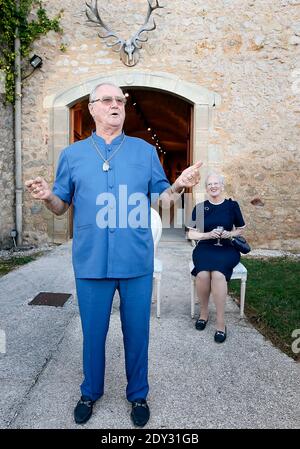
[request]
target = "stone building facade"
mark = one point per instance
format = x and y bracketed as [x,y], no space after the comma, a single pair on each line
[235,63]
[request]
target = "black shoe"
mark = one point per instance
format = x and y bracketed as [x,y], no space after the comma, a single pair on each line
[200,324]
[140,413]
[83,410]
[220,336]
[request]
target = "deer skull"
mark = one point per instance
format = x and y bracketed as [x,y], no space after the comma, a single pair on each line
[128,48]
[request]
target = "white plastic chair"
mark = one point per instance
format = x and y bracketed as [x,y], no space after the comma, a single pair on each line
[156,228]
[239,272]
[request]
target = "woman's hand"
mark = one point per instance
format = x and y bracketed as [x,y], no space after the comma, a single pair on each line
[214,234]
[226,235]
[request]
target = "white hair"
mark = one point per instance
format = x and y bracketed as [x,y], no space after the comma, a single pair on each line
[93,95]
[217,175]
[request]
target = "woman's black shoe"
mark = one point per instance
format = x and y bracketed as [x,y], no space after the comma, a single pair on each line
[200,324]
[83,410]
[220,336]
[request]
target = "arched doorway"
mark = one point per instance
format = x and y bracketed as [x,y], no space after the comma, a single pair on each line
[202,103]
[160,118]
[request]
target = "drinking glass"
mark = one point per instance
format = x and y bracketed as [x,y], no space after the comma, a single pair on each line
[220,229]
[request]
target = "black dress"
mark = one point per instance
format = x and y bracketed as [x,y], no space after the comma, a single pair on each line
[206,256]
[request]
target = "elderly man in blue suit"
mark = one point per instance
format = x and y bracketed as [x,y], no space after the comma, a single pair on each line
[111,178]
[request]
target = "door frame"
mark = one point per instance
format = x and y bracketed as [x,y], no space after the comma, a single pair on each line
[203,100]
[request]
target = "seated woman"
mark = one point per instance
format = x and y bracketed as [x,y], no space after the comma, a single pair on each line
[215,222]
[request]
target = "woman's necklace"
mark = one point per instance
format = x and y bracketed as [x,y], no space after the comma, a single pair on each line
[105,166]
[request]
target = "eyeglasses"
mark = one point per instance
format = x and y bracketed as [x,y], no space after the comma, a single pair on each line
[108,101]
[213,184]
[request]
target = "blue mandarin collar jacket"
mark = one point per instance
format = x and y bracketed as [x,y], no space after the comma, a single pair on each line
[106,204]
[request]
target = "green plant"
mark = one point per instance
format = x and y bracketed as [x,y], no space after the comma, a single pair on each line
[272,299]
[14,262]
[14,16]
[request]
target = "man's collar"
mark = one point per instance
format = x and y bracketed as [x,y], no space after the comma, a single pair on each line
[101,141]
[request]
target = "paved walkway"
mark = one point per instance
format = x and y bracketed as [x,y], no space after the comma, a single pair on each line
[195,383]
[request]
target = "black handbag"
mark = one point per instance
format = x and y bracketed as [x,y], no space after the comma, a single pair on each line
[240,243]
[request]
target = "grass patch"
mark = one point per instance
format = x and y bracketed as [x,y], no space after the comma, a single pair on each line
[7,265]
[273,299]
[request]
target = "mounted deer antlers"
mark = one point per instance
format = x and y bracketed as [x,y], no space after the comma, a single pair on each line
[127,48]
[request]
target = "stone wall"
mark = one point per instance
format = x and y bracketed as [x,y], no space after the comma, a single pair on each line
[7,212]
[248,52]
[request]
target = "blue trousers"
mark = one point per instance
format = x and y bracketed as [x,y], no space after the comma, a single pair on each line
[95,298]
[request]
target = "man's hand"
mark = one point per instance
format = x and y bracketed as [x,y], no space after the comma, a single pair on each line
[38,188]
[188,178]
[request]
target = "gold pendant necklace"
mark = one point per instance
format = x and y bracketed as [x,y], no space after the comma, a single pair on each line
[106,166]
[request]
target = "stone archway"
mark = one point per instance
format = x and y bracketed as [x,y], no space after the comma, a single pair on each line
[202,99]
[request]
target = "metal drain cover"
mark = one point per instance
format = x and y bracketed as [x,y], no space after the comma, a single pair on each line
[50,299]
